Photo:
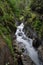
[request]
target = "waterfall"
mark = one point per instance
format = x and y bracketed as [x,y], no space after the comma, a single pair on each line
[21,37]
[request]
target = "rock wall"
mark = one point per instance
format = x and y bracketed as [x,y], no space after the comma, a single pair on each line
[40,52]
[5,55]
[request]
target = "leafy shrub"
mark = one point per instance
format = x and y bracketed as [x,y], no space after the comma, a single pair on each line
[37,5]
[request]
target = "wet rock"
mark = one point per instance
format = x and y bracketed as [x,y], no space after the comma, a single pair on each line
[40,52]
[26,60]
[22,56]
[23,49]
[20,34]
[19,60]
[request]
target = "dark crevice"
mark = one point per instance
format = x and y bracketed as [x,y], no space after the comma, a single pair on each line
[36,43]
[20,60]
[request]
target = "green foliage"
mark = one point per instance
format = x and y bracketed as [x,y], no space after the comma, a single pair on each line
[36,25]
[19,7]
[41,32]
[3,29]
[37,5]
[7,38]
[6,15]
[22,10]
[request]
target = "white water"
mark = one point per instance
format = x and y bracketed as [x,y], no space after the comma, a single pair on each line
[21,37]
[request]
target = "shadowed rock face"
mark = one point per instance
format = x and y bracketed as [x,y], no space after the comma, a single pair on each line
[36,43]
[5,56]
[27,61]
[40,52]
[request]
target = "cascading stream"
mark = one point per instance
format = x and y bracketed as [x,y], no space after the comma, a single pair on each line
[21,37]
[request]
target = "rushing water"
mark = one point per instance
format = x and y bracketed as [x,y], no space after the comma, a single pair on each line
[21,37]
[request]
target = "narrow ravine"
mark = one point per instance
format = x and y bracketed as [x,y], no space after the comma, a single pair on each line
[21,38]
